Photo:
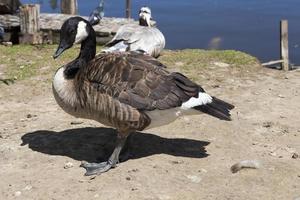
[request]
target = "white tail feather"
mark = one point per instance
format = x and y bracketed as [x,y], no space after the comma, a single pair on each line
[202,99]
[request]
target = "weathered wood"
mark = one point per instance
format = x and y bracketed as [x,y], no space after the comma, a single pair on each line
[29,18]
[9,6]
[128,9]
[284,44]
[69,7]
[272,62]
[50,25]
[29,24]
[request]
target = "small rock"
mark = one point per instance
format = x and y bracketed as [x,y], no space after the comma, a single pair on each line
[76,122]
[280,96]
[133,170]
[18,193]
[8,44]
[215,86]
[273,154]
[128,178]
[194,179]
[96,195]
[68,165]
[202,170]
[134,189]
[295,155]
[221,64]
[22,66]
[176,161]
[27,188]
[267,124]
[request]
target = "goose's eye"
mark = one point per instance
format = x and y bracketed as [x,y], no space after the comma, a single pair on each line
[72,31]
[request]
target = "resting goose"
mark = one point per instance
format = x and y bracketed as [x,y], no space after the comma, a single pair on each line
[142,37]
[97,14]
[125,90]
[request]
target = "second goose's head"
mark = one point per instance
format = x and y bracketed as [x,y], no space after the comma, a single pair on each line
[145,16]
[74,30]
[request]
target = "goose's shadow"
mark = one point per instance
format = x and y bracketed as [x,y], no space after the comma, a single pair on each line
[96,144]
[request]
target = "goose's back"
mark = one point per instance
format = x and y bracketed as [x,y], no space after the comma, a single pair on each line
[147,39]
[117,89]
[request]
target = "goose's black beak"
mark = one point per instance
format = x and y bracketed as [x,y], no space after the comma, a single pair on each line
[59,51]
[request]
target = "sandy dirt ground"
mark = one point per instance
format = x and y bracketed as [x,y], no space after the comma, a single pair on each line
[41,147]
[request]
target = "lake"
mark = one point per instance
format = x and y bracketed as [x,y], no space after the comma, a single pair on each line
[251,26]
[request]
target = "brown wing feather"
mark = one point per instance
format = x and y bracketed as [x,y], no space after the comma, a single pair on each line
[139,81]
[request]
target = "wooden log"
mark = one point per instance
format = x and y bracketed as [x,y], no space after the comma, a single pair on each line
[128,9]
[284,45]
[69,7]
[272,62]
[29,24]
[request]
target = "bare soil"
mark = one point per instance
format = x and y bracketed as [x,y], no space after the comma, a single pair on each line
[41,147]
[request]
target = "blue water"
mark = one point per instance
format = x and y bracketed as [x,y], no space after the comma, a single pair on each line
[251,26]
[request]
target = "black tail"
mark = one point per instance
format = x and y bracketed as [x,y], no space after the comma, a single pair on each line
[217,108]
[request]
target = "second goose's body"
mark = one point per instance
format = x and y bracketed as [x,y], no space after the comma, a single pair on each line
[142,37]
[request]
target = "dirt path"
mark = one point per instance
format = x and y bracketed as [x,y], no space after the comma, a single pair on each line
[41,147]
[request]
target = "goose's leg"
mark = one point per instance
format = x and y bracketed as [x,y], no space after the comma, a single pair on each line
[98,168]
[126,151]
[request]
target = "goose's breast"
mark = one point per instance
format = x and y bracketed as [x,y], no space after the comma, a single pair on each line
[65,93]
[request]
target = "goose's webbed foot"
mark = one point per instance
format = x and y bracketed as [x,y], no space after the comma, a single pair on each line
[98,168]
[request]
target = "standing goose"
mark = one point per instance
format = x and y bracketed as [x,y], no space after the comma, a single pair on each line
[125,90]
[142,37]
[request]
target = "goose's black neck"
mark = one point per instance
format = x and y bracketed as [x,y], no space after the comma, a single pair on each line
[87,53]
[88,46]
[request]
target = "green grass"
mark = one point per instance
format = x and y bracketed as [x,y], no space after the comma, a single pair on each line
[21,62]
[204,58]
[25,61]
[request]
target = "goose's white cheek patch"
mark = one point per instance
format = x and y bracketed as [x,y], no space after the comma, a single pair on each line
[81,32]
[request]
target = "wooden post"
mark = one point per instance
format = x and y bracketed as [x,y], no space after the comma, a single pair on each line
[128,9]
[29,24]
[69,7]
[284,45]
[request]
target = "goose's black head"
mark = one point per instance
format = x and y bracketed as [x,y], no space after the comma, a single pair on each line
[73,31]
[145,16]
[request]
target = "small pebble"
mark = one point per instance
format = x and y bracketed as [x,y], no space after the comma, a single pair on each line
[267,124]
[202,170]
[128,178]
[194,179]
[28,187]
[76,122]
[18,193]
[68,165]
[295,155]
[176,161]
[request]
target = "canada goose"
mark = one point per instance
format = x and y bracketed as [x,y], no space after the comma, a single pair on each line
[125,90]
[142,37]
[97,14]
